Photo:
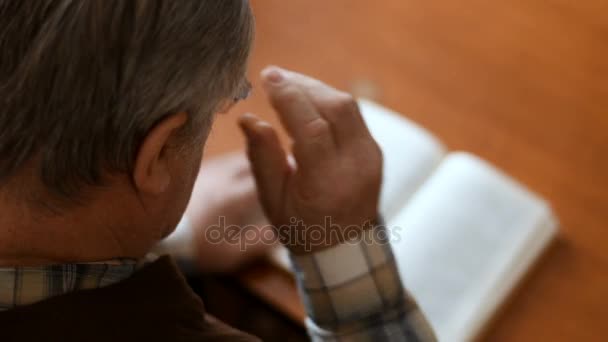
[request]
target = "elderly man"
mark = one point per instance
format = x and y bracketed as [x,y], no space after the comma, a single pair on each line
[106,107]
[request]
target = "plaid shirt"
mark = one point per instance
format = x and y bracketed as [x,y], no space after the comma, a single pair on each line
[353,292]
[27,285]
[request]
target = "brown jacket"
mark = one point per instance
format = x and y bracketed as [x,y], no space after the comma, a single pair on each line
[155,304]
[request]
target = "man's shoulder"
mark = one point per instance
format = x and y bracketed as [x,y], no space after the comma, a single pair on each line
[155,303]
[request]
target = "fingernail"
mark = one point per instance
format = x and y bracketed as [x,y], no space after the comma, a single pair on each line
[247,133]
[244,126]
[273,75]
[247,116]
[241,121]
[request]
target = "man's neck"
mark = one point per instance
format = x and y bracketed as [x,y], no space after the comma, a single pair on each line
[108,227]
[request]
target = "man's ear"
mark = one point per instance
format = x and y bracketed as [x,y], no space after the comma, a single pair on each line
[151,173]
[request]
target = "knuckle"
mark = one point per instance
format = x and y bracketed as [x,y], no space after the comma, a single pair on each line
[316,127]
[343,105]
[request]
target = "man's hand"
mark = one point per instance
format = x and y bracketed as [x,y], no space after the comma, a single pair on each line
[337,172]
[225,200]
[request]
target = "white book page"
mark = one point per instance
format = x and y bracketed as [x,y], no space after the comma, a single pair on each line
[410,155]
[464,240]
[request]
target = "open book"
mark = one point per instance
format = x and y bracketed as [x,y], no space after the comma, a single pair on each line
[463,233]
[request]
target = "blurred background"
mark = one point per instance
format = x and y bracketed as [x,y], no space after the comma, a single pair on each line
[521,83]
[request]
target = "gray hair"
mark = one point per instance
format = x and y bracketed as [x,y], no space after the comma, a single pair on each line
[83,81]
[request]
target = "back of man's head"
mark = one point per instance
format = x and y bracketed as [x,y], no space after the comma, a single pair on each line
[82,82]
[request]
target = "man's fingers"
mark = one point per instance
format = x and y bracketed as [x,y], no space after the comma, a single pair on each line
[268,161]
[342,111]
[310,131]
[337,107]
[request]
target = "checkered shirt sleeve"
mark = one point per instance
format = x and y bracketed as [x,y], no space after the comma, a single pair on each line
[353,292]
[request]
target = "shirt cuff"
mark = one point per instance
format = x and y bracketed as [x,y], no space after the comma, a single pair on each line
[350,282]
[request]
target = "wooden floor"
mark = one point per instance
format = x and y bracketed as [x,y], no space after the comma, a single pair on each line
[522,83]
